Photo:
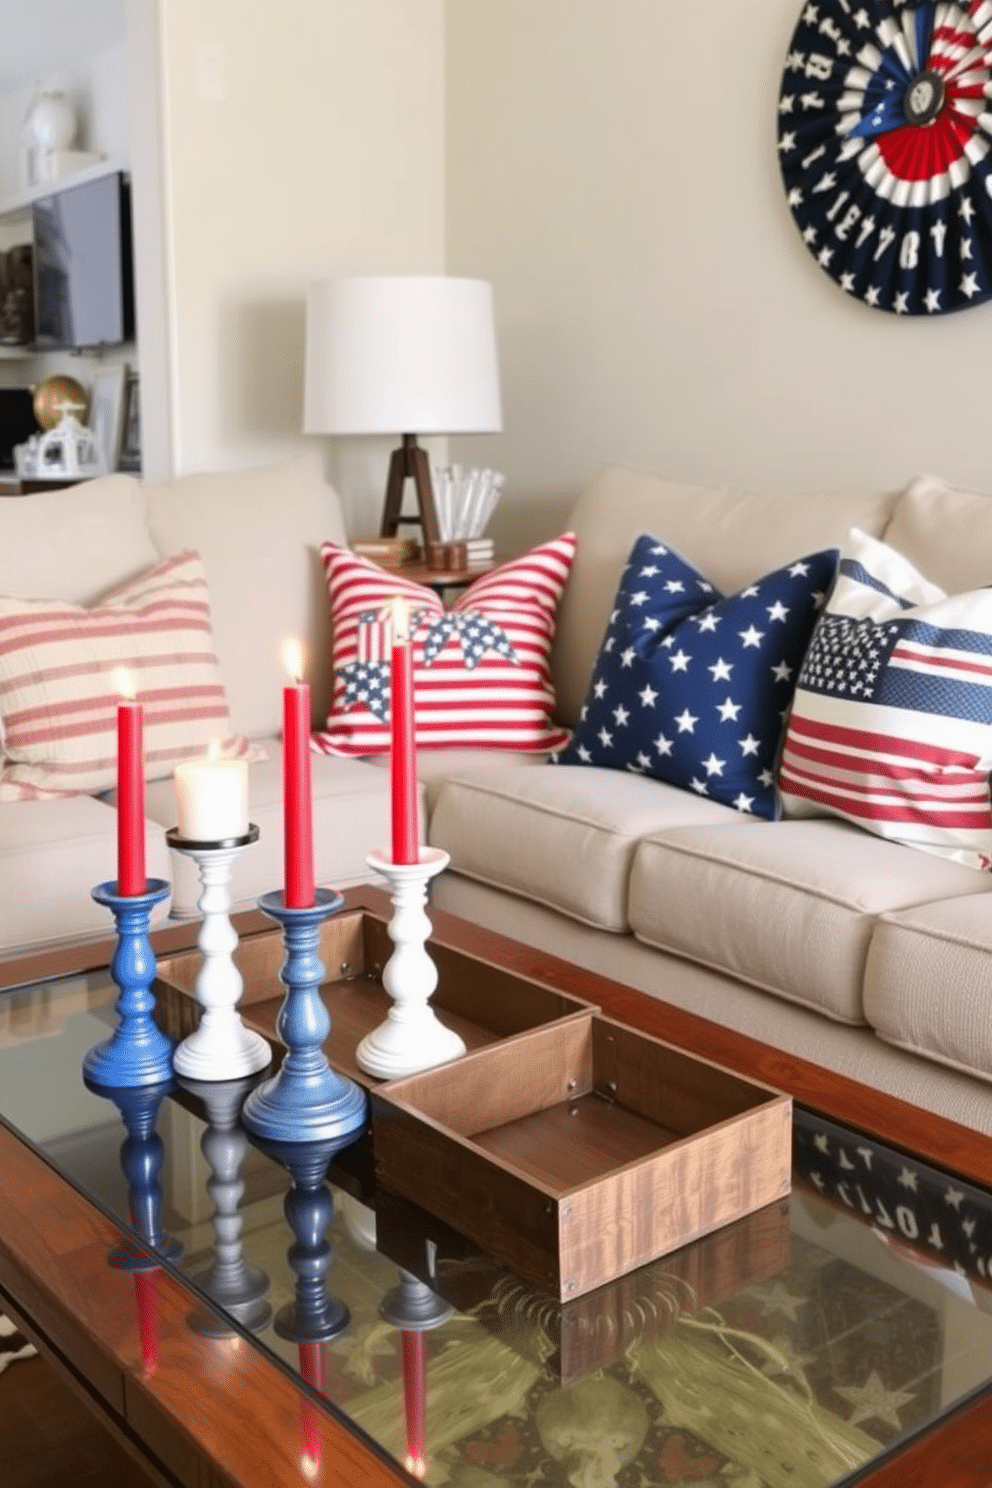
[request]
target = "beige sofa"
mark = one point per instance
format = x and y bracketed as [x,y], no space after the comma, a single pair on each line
[259,534]
[868,957]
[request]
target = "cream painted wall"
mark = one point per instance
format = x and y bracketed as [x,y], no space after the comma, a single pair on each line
[612,169]
[296,143]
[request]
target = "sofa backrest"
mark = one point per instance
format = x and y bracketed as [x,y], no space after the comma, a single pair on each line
[732,536]
[76,542]
[946,532]
[259,534]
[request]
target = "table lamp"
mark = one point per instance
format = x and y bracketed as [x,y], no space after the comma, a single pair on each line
[403,355]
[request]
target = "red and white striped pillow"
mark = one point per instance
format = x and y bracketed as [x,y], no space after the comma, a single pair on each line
[482,673]
[59,688]
[891,723]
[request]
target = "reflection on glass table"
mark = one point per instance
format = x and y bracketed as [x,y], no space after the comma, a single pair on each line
[790,1348]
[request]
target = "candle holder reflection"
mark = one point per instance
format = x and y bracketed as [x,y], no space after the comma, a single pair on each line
[306,1100]
[313,1316]
[222,1048]
[411,1038]
[141,1157]
[236,1286]
[138,1053]
[415,1310]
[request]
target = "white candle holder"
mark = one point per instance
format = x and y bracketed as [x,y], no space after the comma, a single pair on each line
[237,1287]
[222,1048]
[411,1038]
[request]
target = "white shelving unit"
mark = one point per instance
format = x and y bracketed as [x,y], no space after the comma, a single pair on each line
[19,204]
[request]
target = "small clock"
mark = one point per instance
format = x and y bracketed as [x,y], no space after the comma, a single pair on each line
[885,148]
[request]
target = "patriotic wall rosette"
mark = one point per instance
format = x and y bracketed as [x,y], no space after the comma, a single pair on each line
[885,148]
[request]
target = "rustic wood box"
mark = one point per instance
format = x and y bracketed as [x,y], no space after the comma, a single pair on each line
[579,1151]
[572,1339]
[482,1002]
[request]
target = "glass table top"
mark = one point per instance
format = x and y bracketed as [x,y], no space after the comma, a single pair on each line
[791,1348]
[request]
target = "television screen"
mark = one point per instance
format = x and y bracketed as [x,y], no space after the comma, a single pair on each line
[83,286]
[17,422]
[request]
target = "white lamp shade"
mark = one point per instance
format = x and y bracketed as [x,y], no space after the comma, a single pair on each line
[403,355]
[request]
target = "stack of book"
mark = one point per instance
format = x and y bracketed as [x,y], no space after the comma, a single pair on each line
[388,552]
[478,550]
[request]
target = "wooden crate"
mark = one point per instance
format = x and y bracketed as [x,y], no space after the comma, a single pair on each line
[579,1151]
[479,1000]
[572,1339]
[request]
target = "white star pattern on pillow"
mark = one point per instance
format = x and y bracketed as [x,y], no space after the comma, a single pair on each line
[691,686]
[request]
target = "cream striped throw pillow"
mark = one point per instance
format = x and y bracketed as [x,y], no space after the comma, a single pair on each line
[59,689]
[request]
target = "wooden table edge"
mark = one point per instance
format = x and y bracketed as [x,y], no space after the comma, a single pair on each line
[30,1271]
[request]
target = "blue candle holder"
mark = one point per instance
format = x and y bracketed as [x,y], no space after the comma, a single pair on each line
[306,1101]
[313,1316]
[138,1053]
[142,1155]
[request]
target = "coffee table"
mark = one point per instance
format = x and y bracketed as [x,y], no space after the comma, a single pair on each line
[821,1340]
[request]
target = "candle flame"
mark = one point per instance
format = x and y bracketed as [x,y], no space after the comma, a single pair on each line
[213,749]
[292,658]
[124,683]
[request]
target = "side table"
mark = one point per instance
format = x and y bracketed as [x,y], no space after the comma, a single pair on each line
[27,485]
[440,578]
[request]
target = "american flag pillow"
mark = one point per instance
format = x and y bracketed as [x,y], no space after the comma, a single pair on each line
[482,673]
[891,727]
[60,685]
[691,686]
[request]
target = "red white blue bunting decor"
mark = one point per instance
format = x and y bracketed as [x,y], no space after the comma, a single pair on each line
[885,148]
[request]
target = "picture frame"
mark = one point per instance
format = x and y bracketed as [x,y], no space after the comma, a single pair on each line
[129,456]
[106,413]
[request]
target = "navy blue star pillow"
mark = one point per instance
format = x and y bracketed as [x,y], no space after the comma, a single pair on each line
[691,686]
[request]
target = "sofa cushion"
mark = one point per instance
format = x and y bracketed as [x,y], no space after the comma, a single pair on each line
[259,534]
[789,906]
[891,725]
[564,837]
[945,531]
[927,981]
[74,543]
[731,535]
[52,853]
[59,683]
[436,766]
[481,673]
[692,686]
[351,816]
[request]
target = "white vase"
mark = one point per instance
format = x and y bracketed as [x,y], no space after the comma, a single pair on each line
[49,125]
[51,120]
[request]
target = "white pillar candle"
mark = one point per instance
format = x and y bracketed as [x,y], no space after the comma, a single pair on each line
[212,799]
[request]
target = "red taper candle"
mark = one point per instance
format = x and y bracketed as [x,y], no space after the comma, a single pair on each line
[312,1370]
[299,891]
[415,1399]
[131,876]
[402,753]
[144,1291]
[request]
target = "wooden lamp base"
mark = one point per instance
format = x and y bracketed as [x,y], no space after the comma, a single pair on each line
[409,461]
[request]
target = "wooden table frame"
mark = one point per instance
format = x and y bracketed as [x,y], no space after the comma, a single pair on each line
[203,1425]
